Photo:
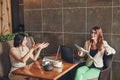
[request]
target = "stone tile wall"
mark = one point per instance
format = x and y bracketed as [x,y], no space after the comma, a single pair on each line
[69,21]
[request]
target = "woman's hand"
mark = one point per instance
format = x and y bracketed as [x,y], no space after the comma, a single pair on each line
[80,53]
[43,45]
[106,50]
[35,46]
[40,45]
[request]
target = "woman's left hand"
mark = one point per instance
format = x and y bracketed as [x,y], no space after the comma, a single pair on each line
[106,50]
[43,45]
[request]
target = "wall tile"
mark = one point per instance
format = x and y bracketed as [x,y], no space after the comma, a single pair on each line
[116,21]
[91,3]
[101,17]
[74,20]
[107,37]
[116,45]
[35,21]
[52,20]
[32,4]
[27,16]
[55,39]
[116,2]
[116,71]
[74,3]
[51,3]
[27,4]
[71,39]
[38,37]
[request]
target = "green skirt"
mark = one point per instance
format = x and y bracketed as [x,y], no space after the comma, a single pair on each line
[86,73]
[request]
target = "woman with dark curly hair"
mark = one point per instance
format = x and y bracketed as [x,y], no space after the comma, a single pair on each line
[20,53]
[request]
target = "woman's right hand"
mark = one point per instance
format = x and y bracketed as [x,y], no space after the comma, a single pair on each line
[35,46]
[80,53]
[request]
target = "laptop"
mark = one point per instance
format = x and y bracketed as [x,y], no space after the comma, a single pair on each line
[52,58]
[68,54]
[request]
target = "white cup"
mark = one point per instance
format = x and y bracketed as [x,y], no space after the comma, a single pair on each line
[59,70]
[57,63]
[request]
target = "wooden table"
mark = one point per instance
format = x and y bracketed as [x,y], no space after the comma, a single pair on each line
[36,69]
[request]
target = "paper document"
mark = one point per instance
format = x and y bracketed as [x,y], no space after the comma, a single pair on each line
[84,51]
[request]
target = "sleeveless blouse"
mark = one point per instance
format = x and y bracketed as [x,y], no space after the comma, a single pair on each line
[93,52]
[15,64]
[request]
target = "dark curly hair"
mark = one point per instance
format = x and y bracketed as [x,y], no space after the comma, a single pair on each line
[18,39]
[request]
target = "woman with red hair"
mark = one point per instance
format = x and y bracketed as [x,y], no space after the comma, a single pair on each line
[95,47]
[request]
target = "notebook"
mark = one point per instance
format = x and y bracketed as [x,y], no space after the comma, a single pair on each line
[68,54]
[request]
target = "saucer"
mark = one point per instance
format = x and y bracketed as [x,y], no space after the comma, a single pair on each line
[58,66]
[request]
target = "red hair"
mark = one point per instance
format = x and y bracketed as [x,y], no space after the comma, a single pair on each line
[100,37]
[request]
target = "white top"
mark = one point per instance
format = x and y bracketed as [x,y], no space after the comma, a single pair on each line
[98,58]
[15,64]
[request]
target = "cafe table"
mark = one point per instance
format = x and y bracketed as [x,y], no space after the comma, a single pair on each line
[35,69]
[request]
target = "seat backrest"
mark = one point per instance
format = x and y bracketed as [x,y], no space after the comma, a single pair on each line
[107,60]
[4,58]
[105,73]
[67,53]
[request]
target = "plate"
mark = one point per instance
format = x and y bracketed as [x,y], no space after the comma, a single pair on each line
[58,66]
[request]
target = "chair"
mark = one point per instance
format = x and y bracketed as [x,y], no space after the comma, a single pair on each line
[105,73]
